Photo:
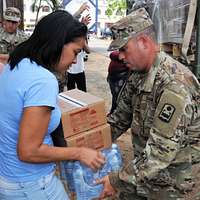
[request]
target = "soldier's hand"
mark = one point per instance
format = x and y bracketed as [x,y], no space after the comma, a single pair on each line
[108,190]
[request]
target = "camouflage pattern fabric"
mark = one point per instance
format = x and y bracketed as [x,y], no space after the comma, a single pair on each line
[162,108]
[9,41]
[128,26]
[12,14]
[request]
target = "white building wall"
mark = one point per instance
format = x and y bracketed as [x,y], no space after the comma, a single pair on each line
[29,16]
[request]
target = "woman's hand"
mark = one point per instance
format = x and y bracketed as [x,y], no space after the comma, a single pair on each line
[108,190]
[92,158]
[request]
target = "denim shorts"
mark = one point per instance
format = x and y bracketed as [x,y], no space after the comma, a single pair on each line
[47,188]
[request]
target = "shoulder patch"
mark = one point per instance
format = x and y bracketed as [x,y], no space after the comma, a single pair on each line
[167,112]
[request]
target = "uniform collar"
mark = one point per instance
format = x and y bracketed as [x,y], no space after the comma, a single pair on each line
[147,81]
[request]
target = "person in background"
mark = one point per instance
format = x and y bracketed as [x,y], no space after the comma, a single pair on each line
[63,78]
[117,76]
[82,8]
[76,72]
[10,34]
[160,103]
[29,111]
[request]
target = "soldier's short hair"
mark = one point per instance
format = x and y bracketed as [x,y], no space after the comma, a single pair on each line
[136,22]
[12,14]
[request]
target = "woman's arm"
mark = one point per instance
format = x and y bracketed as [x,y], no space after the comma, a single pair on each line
[33,127]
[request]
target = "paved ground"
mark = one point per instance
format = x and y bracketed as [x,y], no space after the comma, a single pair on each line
[99,45]
[96,73]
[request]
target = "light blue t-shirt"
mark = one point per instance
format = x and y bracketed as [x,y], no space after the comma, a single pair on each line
[26,85]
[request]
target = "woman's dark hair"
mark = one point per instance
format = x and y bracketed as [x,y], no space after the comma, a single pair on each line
[50,35]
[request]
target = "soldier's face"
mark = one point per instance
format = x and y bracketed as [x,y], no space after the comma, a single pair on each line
[10,26]
[69,53]
[135,54]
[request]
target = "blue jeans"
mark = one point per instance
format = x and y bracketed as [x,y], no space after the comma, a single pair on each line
[47,188]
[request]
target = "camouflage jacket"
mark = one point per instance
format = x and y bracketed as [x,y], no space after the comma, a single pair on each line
[9,41]
[162,108]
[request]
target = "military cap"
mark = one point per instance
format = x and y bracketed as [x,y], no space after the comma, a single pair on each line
[12,14]
[137,21]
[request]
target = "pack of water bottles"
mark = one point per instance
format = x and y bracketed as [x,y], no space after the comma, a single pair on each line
[82,180]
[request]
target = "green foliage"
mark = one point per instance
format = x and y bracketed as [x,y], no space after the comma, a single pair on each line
[116,7]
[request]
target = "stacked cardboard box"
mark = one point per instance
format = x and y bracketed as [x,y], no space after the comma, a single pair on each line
[84,120]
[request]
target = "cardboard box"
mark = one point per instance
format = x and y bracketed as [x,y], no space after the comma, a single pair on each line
[96,138]
[81,111]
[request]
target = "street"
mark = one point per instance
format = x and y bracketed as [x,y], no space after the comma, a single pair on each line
[99,45]
[96,69]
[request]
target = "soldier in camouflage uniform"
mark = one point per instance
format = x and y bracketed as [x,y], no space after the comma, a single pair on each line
[160,104]
[10,35]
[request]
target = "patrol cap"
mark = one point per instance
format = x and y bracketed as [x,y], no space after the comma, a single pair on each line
[137,21]
[12,14]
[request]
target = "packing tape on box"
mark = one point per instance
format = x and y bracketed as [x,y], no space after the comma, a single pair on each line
[71,100]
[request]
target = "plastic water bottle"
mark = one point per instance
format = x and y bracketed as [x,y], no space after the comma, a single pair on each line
[67,174]
[84,183]
[89,175]
[114,158]
[84,178]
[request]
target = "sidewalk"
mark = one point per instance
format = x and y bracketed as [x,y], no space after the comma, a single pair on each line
[100,45]
[96,72]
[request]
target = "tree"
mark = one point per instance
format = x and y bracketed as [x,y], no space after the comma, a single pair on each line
[54,5]
[116,7]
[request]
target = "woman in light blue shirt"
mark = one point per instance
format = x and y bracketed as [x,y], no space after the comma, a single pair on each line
[29,111]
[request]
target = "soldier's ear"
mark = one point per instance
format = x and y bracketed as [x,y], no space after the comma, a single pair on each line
[142,42]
